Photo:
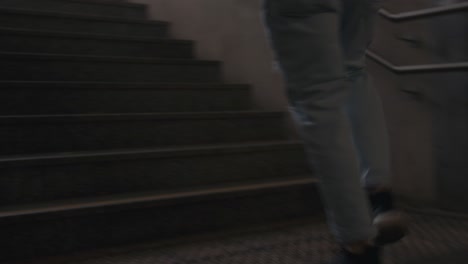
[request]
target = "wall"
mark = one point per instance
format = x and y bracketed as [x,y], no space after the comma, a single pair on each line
[427,113]
[410,126]
[438,39]
[450,110]
[450,115]
[397,6]
[230,31]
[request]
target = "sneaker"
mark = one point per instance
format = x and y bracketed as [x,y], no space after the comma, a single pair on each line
[391,224]
[370,256]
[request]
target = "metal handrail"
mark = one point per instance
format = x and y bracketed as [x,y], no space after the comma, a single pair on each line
[424,13]
[423,68]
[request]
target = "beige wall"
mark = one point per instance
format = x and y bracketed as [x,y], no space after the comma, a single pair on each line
[410,126]
[230,31]
[407,5]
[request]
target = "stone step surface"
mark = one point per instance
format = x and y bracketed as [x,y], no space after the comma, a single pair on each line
[112,133]
[26,135]
[28,179]
[46,98]
[54,21]
[57,42]
[67,226]
[48,67]
[108,9]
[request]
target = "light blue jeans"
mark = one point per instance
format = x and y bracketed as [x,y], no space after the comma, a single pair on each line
[320,46]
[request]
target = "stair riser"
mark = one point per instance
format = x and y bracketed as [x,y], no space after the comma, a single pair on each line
[67,234]
[28,21]
[44,136]
[77,8]
[84,46]
[86,179]
[107,71]
[19,101]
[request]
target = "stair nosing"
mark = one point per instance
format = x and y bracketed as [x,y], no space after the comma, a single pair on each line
[122,85]
[79,35]
[67,15]
[69,118]
[71,57]
[123,4]
[148,153]
[135,198]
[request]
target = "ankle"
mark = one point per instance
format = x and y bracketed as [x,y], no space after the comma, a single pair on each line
[381,200]
[378,189]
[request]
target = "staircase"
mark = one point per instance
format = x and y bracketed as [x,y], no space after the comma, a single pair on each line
[113,133]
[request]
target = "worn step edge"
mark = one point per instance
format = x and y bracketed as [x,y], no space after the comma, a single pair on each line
[153,198]
[133,154]
[120,85]
[76,35]
[90,2]
[73,16]
[64,57]
[136,116]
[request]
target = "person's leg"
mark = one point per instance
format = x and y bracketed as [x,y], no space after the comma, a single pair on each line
[305,35]
[365,110]
[364,105]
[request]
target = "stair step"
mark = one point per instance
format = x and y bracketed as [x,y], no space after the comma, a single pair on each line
[26,179]
[55,42]
[51,67]
[113,9]
[156,198]
[43,20]
[61,227]
[25,135]
[42,98]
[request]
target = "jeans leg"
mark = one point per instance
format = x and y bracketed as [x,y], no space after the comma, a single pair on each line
[369,131]
[364,105]
[305,35]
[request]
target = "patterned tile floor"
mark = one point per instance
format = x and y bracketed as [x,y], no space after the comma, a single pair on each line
[433,240]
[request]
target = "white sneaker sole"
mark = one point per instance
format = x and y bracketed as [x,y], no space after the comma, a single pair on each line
[392,227]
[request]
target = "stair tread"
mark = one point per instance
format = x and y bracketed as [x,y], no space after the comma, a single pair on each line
[134,198]
[120,85]
[53,33]
[91,2]
[25,55]
[138,116]
[138,198]
[41,159]
[66,15]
